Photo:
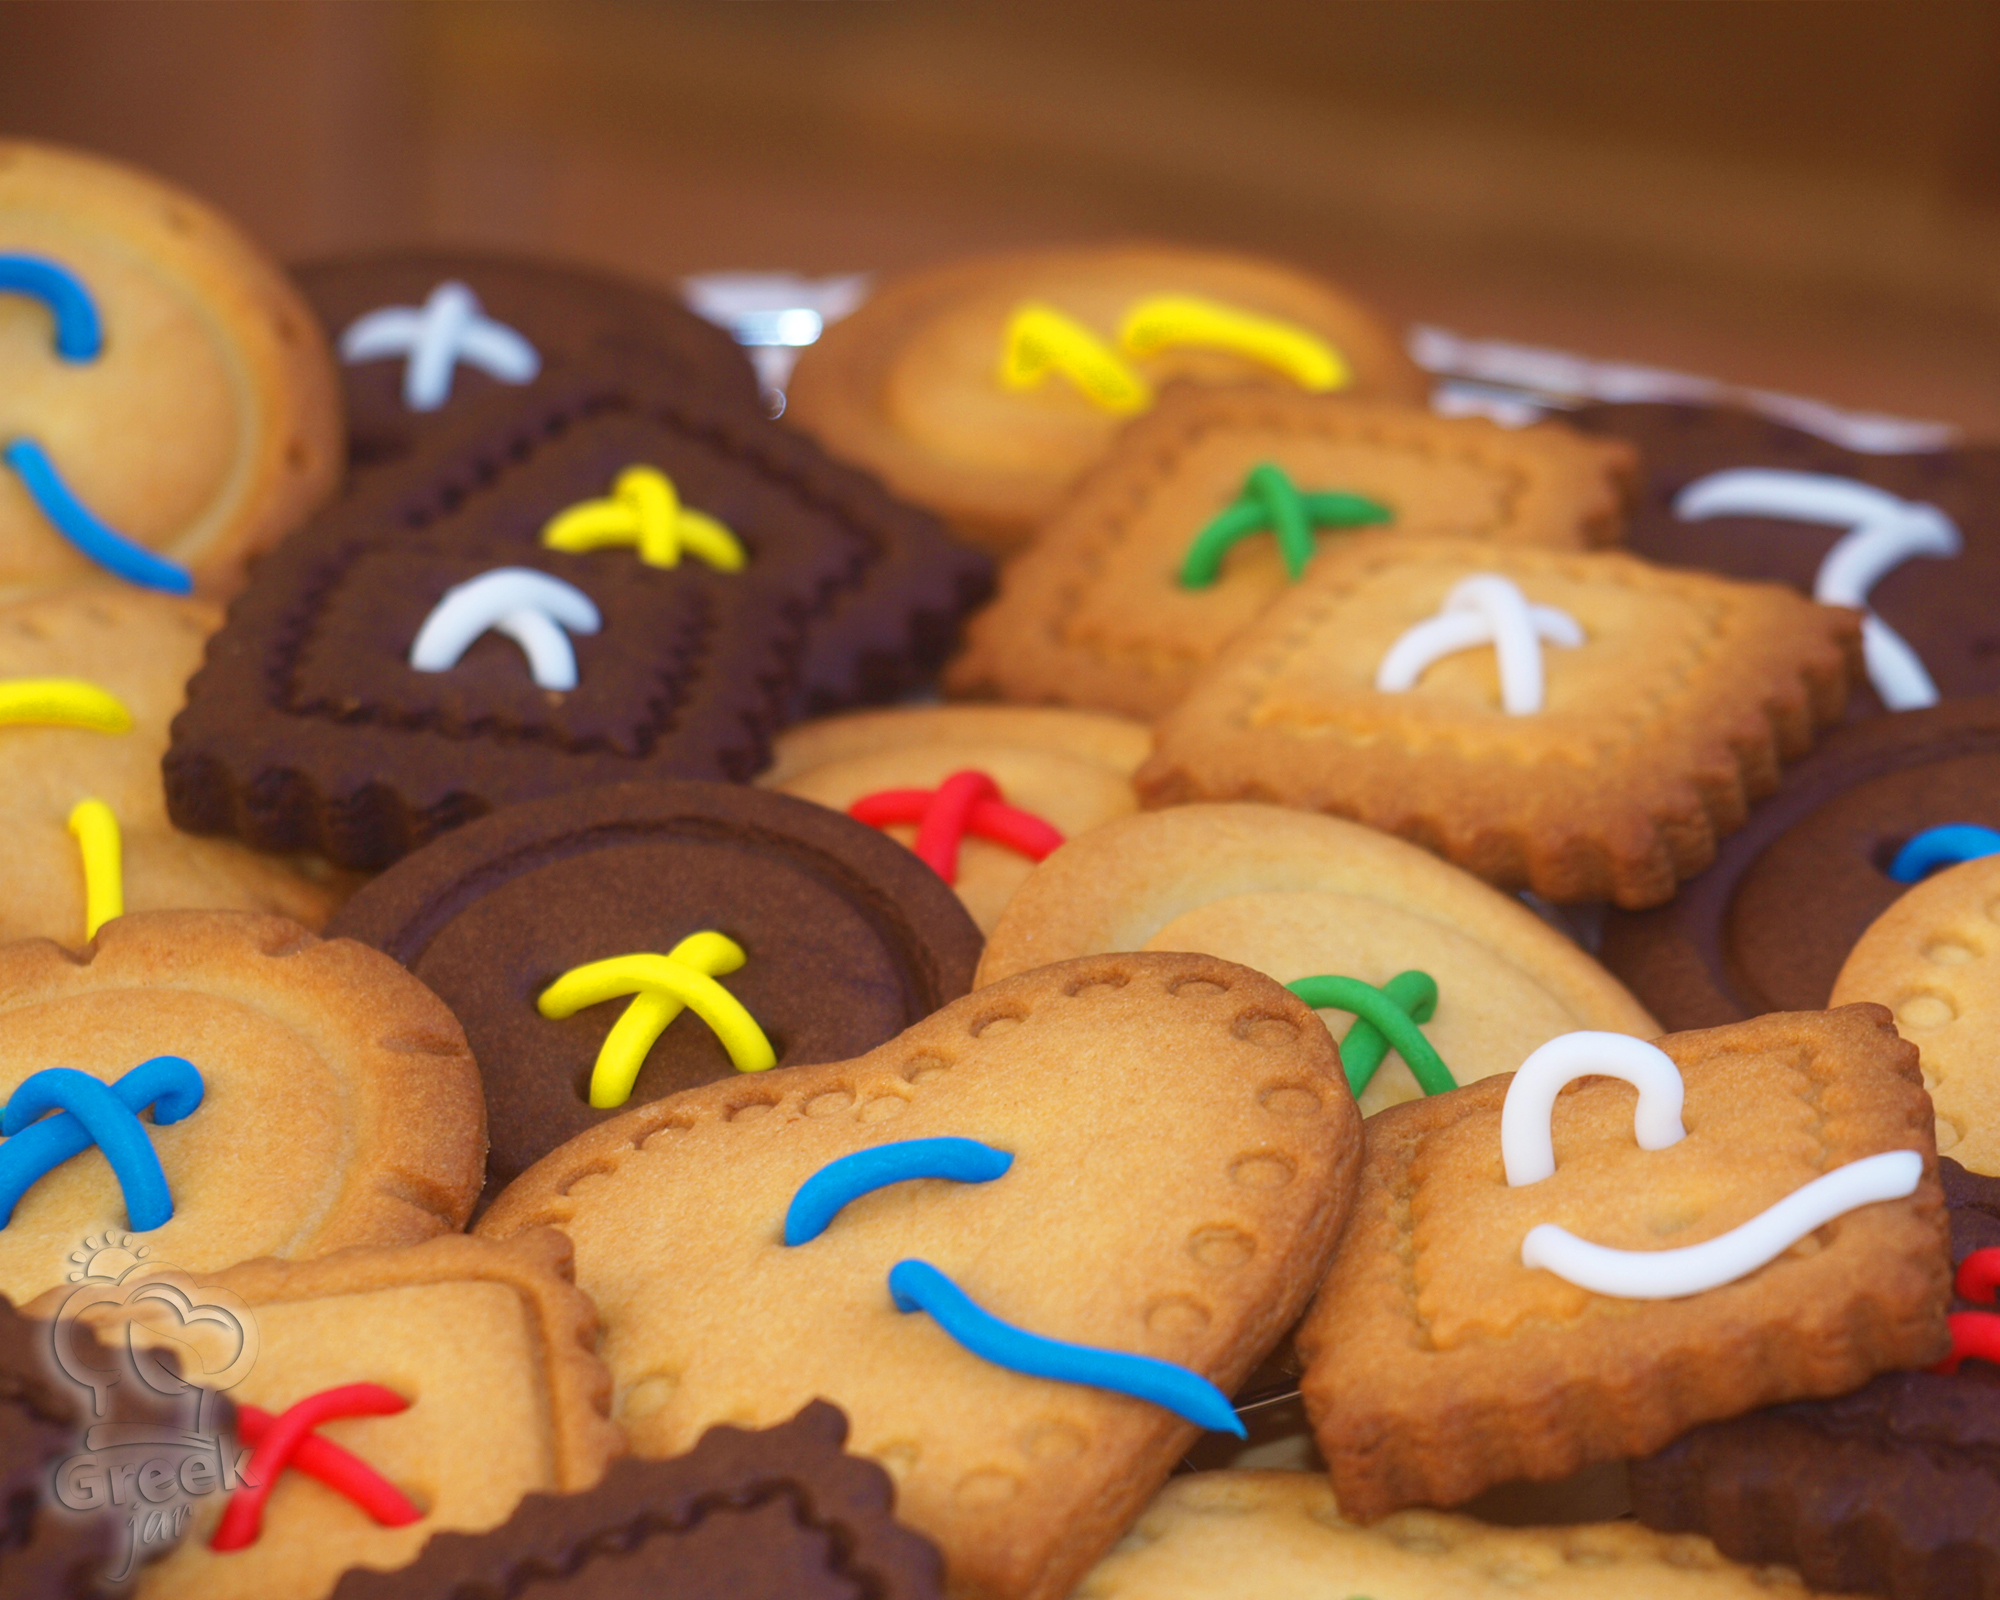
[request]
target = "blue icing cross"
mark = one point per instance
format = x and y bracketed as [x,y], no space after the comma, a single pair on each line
[107,1115]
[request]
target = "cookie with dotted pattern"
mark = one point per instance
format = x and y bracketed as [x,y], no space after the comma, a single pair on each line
[1183,1151]
[1647,741]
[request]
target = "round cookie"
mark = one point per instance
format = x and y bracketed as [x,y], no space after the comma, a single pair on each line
[1767,927]
[1296,895]
[1072,770]
[908,385]
[140,648]
[1931,959]
[847,938]
[339,1105]
[208,423]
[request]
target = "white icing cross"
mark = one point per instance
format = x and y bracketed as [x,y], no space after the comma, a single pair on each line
[1484,609]
[1884,532]
[530,607]
[448,328]
[1527,1151]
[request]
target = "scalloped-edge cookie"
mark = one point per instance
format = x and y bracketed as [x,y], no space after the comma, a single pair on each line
[1296,895]
[492,1346]
[1933,958]
[1183,1148]
[1654,733]
[1094,612]
[908,387]
[1281,1536]
[339,1105]
[206,426]
[1438,1364]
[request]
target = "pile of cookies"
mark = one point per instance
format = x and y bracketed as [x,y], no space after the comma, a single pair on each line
[1112,962]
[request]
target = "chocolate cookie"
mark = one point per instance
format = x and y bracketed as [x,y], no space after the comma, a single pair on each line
[1894,1489]
[694,577]
[422,335]
[1767,927]
[846,939]
[768,1514]
[1929,580]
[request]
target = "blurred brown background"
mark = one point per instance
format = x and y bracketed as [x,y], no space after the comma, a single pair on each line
[1801,195]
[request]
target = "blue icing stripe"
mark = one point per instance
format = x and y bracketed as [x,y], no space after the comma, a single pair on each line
[1942,847]
[821,1197]
[79,335]
[106,1115]
[919,1286]
[106,546]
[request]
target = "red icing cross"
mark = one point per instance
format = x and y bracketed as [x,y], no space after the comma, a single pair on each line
[1975,1334]
[289,1441]
[966,802]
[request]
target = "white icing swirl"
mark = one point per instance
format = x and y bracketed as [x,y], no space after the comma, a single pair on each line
[446,329]
[1480,610]
[529,607]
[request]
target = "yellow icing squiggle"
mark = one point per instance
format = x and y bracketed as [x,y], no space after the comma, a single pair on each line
[1041,340]
[62,703]
[95,828]
[1169,319]
[644,510]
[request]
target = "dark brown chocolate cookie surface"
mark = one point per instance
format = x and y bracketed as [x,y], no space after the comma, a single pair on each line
[561,313]
[309,728]
[1767,927]
[773,1514]
[1893,1490]
[1941,606]
[848,938]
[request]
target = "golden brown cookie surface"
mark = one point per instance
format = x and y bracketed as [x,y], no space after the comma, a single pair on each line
[209,423]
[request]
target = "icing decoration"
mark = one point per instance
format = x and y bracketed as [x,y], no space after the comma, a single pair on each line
[1040,340]
[1271,503]
[74,520]
[1884,532]
[95,828]
[1385,1018]
[662,987]
[1975,1335]
[340,1470]
[448,328]
[644,510]
[278,1448]
[530,607]
[79,335]
[107,1115]
[1978,1276]
[1942,847]
[1697,1268]
[1526,1145]
[822,1196]
[1169,319]
[919,1286]
[1483,609]
[62,703]
[966,802]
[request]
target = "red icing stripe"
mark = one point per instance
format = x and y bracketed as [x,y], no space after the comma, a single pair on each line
[1979,1276]
[966,802]
[1975,1335]
[288,1441]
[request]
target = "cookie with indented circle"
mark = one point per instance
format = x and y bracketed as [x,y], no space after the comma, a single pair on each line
[614,945]
[1542,1272]
[383,1395]
[1466,979]
[1911,535]
[304,1095]
[1207,510]
[90,676]
[1282,1536]
[170,406]
[1029,1246]
[985,387]
[1578,723]
[981,793]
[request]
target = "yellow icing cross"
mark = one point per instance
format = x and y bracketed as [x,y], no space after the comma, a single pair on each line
[95,828]
[662,986]
[645,510]
[1166,319]
[62,703]
[1041,340]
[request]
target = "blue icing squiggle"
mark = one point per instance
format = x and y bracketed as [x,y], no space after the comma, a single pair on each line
[76,522]
[106,1115]
[821,1197]
[1946,846]
[79,335]
[919,1286]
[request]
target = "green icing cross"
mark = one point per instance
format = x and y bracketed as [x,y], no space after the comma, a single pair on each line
[1271,503]
[1385,1018]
